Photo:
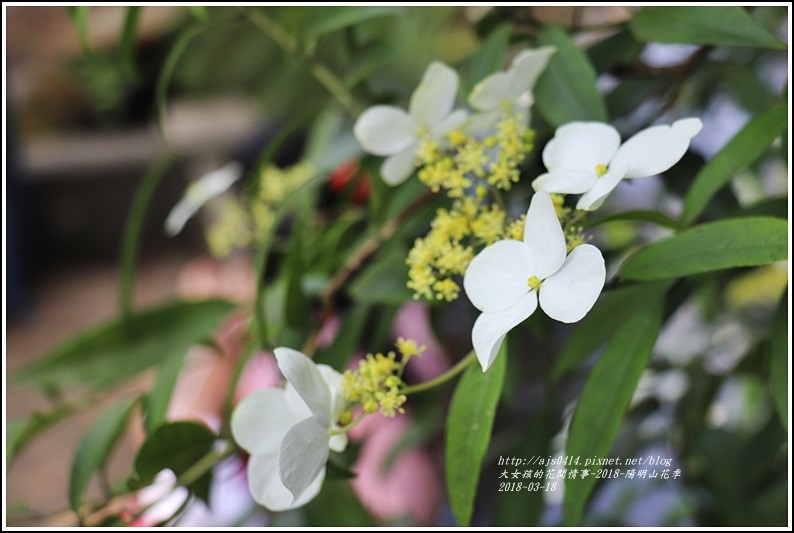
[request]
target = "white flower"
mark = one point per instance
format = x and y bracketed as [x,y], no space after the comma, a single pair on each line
[200,192]
[587,157]
[389,131]
[509,90]
[288,432]
[506,279]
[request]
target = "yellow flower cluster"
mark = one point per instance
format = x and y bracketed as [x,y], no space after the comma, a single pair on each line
[377,384]
[449,247]
[494,159]
[242,223]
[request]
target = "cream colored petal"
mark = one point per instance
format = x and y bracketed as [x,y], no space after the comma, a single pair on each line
[385,130]
[399,167]
[569,294]
[302,373]
[581,146]
[303,453]
[267,488]
[261,420]
[490,328]
[497,277]
[433,99]
[655,149]
[543,235]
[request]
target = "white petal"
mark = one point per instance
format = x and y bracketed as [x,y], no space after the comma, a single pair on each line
[261,420]
[432,101]
[303,374]
[267,488]
[399,167]
[338,443]
[580,147]
[497,277]
[526,68]
[179,215]
[303,453]
[200,192]
[489,93]
[452,122]
[543,235]
[490,328]
[481,123]
[569,294]
[656,149]
[384,130]
[565,182]
[592,199]
[334,381]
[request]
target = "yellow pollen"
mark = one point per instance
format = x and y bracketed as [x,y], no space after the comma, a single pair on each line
[534,283]
[601,169]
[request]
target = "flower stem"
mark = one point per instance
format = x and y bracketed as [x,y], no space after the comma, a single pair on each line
[443,378]
[204,465]
[321,73]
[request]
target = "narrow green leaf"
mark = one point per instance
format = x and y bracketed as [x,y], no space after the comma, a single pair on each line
[296,305]
[779,361]
[132,230]
[599,325]
[324,20]
[156,401]
[567,91]
[654,217]
[79,16]
[384,281]
[127,44]
[469,423]
[744,149]
[94,449]
[201,13]
[20,431]
[177,446]
[606,397]
[367,61]
[490,56]
[730,25]
[736,242]
[117,351]
[632,91]
[171,61]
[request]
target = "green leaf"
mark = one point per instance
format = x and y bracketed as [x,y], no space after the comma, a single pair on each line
[736,242]
[79,16]
[117,351]
[384,281]
[605,398]
[779,362]
[567,91]
[21,431]
[744,149]
[469,423]
[654,217]
[156,401]
[296,304]
[127,43]
[616,50]
[176,446]
[337,506]
[489,56]
[631,92]
[367,61]
[167,72]
[324,20]
[133,228]
[730,25]
[599,325]
[94,449]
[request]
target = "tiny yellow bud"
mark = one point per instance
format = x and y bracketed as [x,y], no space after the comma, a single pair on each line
[345,418]
[601,169]
[534,283]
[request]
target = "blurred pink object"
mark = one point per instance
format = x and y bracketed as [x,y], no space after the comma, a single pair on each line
[204,277]
[413,322]
[408,486]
